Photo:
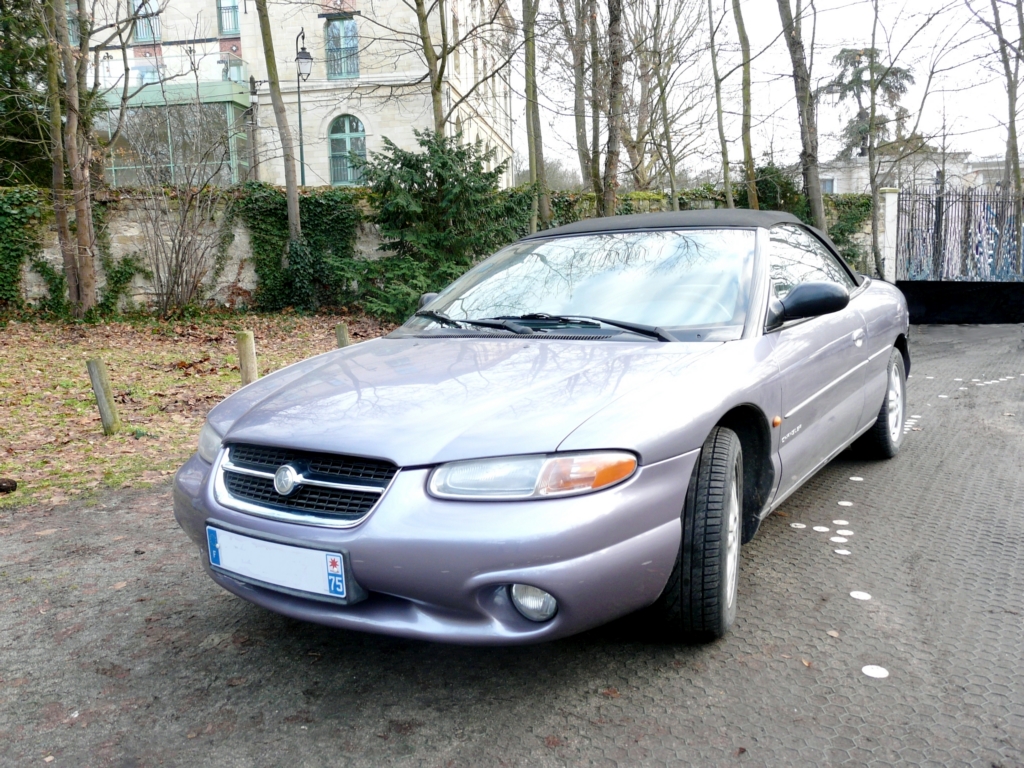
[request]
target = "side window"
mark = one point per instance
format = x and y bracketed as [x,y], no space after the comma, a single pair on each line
[797,257]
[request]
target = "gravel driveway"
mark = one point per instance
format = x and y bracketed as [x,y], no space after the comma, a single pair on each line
[116,649]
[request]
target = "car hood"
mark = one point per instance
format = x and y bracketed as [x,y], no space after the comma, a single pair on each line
[423,401]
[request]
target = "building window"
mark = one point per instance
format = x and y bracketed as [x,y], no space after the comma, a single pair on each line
[348,141]
[342,49]
[74,29]
[828,186]
[227,18]
[147,26]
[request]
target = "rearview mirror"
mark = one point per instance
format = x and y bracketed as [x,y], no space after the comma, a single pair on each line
[813,300]
[425,299]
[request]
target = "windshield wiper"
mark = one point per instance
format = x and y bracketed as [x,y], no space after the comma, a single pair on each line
[545,317]
[644,330]
[441,317]
[500,322]
[438,317]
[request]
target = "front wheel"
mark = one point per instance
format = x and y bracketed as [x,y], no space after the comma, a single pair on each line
[699,600]
[884,439]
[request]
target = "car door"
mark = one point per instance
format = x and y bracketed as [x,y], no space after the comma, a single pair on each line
[820,359]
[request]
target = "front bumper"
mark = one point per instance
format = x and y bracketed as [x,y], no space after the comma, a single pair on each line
[438,570]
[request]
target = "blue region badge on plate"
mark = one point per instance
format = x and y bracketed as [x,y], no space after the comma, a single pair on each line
[335,574]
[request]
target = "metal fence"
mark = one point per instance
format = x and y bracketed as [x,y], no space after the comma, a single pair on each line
[962,234]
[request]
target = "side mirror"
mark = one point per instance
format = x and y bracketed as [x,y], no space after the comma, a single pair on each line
[814,299]
[425,299]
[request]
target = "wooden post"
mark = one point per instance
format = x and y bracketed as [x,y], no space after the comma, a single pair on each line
[341,332]
[247,357]
[104,396]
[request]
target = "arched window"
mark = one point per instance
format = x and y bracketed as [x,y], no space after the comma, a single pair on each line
[348,138]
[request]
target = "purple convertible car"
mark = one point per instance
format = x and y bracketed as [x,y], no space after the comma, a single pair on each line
[588,423]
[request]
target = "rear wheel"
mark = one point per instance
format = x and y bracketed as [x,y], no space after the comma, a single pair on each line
[884,439]
[699,601]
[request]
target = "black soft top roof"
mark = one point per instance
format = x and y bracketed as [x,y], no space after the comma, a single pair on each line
[722,217]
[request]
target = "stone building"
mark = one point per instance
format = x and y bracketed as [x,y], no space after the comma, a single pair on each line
[202,62]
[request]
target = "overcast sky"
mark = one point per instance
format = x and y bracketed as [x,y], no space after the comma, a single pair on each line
[969,97]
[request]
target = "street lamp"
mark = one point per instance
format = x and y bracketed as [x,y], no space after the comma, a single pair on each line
[304,66]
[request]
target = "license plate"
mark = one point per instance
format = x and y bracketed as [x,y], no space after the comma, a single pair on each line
[294,569]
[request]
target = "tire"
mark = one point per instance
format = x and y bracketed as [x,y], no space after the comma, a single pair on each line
[884,439]
[698,603]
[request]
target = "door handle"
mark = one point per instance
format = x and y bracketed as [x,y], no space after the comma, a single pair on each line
[858,337]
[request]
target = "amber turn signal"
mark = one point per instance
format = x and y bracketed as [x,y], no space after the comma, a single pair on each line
[590,472]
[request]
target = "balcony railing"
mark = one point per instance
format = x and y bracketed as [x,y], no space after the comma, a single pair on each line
[343,62]
[229,19]
[147,30]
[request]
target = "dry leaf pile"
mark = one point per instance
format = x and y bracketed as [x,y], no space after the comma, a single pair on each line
[166,377]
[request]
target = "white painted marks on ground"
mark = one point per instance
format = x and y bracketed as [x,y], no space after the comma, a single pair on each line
[840,522]
[842,552]
[820,529]
[872,670]
[798,526]
[839,539]
[845,532]
[845,503]
[858,595]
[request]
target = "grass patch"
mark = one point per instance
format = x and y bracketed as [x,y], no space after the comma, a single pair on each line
[166,377]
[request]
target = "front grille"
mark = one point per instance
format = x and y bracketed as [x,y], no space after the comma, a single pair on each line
[333,467]
[248,477]
[331,503]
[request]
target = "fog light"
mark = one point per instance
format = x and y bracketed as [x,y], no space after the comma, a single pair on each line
[535,604]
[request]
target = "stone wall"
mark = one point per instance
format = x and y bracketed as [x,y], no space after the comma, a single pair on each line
[235,285]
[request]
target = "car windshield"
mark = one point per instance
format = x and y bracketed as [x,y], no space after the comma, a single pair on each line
[678,279]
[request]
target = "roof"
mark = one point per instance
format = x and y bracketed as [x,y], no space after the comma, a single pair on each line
[721,217]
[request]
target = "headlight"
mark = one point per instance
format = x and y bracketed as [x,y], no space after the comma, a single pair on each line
[530,477]
[209,443]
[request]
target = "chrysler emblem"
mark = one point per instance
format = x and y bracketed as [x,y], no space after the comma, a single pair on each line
[286,479]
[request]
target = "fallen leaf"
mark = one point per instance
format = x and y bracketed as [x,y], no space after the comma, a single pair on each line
[786,657]
[190,736]
[806,663]
[48,759]
[120,585]
[235,681]
[47,532]
[611,693]
[832,633]
[741,751]
[552,741]
[782,514]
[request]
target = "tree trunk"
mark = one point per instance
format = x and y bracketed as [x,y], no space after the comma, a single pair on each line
[727,181]
[78,168]
[615,66]
[433,63]
[748,153]
[535,145]
[595,110]
[1012,152]
[60,203]
[575,37]
[805,109]
[281,116]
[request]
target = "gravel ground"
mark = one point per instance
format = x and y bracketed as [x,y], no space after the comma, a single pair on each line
[116,649]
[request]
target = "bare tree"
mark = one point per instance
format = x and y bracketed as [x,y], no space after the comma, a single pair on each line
[805,104]
[535,141]
[606,205]
[727,182]
[181,155]
[283,130]
[1009,48]
[748,153]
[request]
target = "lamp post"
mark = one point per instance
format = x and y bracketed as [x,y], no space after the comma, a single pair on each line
[303,65]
